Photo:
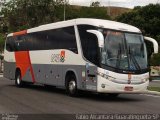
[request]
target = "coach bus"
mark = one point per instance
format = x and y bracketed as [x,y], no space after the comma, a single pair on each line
[81,54]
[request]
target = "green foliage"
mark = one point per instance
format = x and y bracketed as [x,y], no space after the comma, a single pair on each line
[2,40]
[155,60]
[154,89]
[94,12]
[23,14]
[27,13]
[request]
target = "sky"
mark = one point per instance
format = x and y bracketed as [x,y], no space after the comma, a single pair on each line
[119,3]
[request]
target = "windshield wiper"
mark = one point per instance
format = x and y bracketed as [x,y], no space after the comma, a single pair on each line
[119,56]
[134,60]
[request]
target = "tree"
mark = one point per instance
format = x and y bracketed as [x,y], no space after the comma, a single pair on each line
[23,14]
[2,38]
[28,13]
[2,2]
[94,12]
[95,4]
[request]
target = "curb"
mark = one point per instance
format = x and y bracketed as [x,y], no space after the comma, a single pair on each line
[155,80]
[153,93]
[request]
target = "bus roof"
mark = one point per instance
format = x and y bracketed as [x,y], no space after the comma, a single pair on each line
[108,24]
[86,21]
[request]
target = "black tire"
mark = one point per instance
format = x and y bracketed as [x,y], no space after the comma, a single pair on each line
[71,85]
[18,80]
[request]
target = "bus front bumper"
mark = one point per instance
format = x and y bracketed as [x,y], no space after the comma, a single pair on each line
[106,86]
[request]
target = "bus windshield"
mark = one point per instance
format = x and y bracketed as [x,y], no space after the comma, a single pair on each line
[125,51]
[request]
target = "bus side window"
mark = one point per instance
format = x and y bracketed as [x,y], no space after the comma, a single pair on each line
[9,47]
[70,39]
[89,44]
[62,38]
[9,44]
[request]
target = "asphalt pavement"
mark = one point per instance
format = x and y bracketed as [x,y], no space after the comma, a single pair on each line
[155,83]
[36,99]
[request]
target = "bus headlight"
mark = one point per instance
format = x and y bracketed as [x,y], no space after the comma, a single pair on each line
[145,80]
[106,76]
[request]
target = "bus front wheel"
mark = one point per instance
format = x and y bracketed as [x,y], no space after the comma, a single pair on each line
[71,85]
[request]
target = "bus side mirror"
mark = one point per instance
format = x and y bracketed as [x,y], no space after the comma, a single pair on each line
[154,42]
[99,36]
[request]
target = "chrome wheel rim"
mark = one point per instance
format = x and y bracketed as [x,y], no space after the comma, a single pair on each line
[18,80]
[72,86]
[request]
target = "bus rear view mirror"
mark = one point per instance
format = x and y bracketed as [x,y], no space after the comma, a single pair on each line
[99,36]
[154,42]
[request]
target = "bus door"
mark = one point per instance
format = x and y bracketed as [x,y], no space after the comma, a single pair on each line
[91,78]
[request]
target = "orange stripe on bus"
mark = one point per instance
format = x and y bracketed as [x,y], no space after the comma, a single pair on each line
[20,33]
[24,63]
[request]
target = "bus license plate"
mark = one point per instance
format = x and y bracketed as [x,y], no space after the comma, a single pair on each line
[128,88]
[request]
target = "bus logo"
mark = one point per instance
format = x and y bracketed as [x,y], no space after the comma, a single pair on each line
[62,57]
[58,57]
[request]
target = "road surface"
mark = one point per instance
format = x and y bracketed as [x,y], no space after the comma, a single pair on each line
[36,99]
[155,83]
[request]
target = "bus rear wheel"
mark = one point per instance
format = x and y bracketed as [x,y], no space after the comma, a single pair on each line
[71,85]
[18,80]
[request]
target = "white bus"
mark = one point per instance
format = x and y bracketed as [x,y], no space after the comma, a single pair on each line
[82,54]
